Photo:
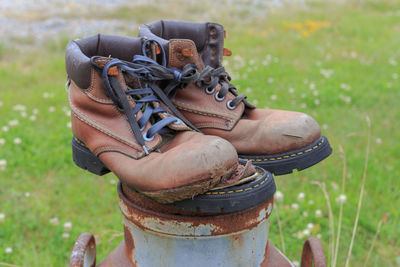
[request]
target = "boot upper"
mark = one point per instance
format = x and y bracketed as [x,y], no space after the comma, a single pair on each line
[252,131]
[176,156]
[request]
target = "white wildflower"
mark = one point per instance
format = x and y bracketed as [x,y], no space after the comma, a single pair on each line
[35,111]
[17,141]
[345,87]
[54,221]
[311,202]
[248,90]
[318,213]
[46,95]
[306,232]
[392,62]
[295,206]
[68,226]
[27,194]
[8,250]
[24,114]
[342,198]
[113,181]
[69,124]
[2,217]
[325,126]
[270,80]
[291,90]
[278,196]
[305,214]
[317,102]
[52,109]
[5,128]
[346,99]
[2,141]
[301,196]
[378,140]
[3,164]
[19,107]
[32,117]
[303,105]
[395,76]
[274,97]
[65,235]
[310,226]
[319,236]
[13,123]
[296,263]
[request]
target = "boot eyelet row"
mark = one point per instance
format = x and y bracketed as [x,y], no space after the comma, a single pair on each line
[210,91]
[218,98]
[229,105]
[147,139]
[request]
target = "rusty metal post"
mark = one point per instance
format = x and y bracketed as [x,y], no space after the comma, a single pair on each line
[174,235]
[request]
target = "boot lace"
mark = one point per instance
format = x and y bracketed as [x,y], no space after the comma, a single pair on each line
[210,77]
[150,72]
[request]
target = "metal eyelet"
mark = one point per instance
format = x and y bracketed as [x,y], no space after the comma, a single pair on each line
[210,91]
[147,139]
[142,129]
[229,105]
[218,98]
[177,122]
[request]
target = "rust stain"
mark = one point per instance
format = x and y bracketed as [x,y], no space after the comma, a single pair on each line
[129,243]
[139,209]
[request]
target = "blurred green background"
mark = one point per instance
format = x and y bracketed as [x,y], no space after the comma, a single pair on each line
[336,60]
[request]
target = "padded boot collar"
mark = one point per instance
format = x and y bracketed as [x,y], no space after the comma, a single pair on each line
[208,37]
[79,52]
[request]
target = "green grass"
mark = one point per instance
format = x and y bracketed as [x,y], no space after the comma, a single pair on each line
[356,48]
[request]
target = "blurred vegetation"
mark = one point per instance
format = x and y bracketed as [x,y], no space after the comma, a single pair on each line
[337,62]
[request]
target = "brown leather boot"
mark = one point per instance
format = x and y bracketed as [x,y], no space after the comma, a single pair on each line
[119,125]
[277,140]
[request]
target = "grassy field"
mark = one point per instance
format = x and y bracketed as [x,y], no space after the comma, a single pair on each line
[338,62]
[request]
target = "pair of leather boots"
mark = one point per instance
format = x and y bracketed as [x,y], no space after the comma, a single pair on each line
[159,112]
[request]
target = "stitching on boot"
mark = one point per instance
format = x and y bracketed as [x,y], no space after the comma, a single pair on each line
[286,156]
[238,190]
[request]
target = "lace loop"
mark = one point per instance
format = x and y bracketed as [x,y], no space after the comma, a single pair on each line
[143,98]
[210,78]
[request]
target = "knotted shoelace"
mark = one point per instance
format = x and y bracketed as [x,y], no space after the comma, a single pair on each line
[150,72]
[208,79]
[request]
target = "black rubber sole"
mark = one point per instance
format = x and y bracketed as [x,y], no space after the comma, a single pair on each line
[85,159]
[231,199]
[301,159]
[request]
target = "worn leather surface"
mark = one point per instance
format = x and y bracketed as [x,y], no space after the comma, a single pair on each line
[177,160]
[79,52]
[251,131]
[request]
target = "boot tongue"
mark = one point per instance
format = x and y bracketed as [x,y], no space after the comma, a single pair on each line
[182,52]
[209,51]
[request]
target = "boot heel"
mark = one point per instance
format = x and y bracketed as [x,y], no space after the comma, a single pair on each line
[85,159]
